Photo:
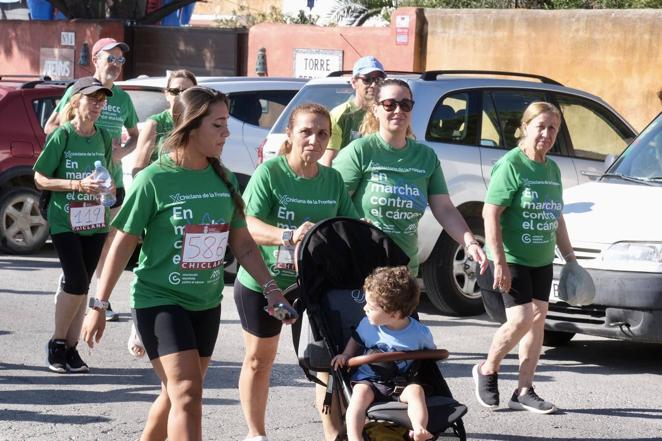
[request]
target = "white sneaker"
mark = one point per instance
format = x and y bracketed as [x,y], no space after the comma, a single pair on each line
[135,343]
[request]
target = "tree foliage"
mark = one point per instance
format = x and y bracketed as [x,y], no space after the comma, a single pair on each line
[245,17]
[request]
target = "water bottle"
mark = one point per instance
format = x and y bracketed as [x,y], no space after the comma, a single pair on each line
[107,197]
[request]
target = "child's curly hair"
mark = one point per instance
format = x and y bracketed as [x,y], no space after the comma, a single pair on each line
[393,289]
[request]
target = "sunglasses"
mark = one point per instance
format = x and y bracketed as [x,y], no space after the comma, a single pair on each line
[404,104]
[174,91]
[116,60]
[371,80]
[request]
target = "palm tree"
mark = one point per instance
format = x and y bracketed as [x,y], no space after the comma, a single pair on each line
[357,12]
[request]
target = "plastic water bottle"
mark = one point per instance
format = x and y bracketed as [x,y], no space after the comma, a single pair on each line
[107,197]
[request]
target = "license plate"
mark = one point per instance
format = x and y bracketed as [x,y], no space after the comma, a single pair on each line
[554,292]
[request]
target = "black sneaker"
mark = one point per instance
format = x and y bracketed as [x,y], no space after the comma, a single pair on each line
[487,388]
[111,316]
[57,356]
[530,401]
[74,362]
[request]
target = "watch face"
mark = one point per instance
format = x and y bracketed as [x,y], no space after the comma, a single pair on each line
[287,235]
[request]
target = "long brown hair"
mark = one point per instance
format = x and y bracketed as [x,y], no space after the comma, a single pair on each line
[190,110]
[314,108]
[370,123]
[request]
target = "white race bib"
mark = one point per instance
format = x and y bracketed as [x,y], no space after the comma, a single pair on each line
[285,258]
[86,216]
[204,246]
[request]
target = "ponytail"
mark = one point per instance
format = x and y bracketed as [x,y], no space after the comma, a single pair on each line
[236,197]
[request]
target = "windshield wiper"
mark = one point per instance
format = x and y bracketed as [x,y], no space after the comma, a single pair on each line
[646,181]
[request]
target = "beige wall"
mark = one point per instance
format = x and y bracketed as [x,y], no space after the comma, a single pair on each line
[225,7]
[614,54]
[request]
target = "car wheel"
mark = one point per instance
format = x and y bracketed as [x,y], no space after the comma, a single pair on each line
[451,277]
[557,338]
[22,228]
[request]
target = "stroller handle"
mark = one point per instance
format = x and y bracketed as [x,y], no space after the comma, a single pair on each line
[432,354]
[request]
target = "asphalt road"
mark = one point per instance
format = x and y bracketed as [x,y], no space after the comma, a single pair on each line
[606,390]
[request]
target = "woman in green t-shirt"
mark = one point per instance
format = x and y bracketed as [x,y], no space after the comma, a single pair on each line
[392,178]
[188,208]
[523,226]
[285,197]
[78,220]
[158,127]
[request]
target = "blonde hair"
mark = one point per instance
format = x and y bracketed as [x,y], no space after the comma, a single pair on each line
[316,109]
[70,109]
[533,110]
[370,123]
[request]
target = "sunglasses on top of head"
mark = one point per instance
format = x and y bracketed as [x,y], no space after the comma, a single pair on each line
[404,104]
[372,80]
[112,59]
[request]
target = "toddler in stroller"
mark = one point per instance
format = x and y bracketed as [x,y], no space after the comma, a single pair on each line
[391,296]
[334,260]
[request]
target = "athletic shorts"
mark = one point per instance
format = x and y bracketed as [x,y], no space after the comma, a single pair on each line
[528,283]
[254,319]
[79,256]
[168,329]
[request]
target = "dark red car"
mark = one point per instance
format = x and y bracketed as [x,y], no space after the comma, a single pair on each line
[25,105]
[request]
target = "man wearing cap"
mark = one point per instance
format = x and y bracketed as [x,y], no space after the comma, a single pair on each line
[346,118]
[108,58]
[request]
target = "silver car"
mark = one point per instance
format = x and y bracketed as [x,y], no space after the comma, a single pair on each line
[471,119]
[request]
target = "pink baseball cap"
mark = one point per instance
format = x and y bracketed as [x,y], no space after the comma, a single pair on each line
[106,44]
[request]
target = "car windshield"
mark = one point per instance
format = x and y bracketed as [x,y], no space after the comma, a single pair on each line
[642,161]
[328,95]
[147,102]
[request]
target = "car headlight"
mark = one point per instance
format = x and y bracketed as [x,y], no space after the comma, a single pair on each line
[634,251]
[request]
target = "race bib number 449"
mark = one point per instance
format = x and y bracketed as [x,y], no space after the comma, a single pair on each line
[204,246]
[86,216]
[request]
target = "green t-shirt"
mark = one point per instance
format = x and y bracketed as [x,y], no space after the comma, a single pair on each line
[182,213]
[117,113]
[164,126]
[346,120]
[390,187]
[68,155]
[278,196]
[533,196]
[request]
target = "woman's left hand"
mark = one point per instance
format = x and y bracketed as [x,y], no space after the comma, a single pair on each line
[274,298]
[476,252]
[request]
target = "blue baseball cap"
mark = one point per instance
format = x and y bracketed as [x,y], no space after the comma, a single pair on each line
[366,65]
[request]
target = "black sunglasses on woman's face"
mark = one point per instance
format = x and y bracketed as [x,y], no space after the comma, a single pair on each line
[390,104]
[174,91]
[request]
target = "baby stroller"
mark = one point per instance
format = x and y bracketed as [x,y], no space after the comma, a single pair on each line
[333,261]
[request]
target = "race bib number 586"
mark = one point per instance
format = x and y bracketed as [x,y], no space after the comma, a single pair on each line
[204,246]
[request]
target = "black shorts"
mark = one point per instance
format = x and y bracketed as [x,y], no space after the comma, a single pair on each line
[528,283]
[254,319]
[79,256]
[384,392]
[168,329]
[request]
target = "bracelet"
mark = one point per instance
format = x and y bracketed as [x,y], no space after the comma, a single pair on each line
[80,187]
[270,287]
[571,253]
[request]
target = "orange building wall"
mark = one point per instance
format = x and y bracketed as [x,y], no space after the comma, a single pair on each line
[614,54]
[280,40]
[21,41]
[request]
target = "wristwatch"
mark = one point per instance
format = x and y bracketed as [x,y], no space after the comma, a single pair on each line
[99,305]
[287,237]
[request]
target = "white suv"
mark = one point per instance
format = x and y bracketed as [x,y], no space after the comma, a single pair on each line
[471,118]
[255,104]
